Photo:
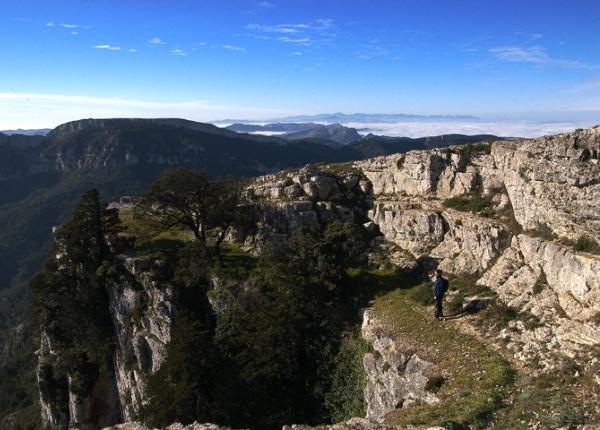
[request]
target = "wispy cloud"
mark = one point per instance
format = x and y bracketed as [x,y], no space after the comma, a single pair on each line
[303,33]
[108,47]
[74,33]
[178,52]
[233,48]
[132,50]
[265,4]
[74,26]
[537,55]
[157,41]
[296,40]
[373,49]
[69,26]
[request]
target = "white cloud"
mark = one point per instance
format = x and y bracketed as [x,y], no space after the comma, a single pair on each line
[30,110]
[297,54]
[132,50]
[265,4]
[234,48]
[319,31]
[109,47]
[74,33]
[537,55]
[178,52]
[157,41]
[50,24]
[202,43]
[498,128]
[296,40]
[74,26]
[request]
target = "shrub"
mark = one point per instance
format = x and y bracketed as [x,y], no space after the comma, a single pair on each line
[543,231]
[473,203]
[587,244]
[421,294]
[345,398]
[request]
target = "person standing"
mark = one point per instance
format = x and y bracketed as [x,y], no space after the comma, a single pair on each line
[440,286]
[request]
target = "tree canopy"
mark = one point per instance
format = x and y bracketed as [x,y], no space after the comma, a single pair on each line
[188,199]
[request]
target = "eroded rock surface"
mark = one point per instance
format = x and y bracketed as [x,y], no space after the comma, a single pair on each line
[395,378]
[142,315]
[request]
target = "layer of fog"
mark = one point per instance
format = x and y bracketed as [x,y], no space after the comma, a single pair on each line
[521,128]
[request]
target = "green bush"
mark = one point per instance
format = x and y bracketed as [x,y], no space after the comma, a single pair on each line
[345,398]
[543,231]
[421,293]
[472,203]
[587,244]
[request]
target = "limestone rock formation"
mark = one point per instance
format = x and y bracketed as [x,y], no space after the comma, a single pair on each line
[176,426]
[476,210]
[358,424]
[395,378]
[142,315]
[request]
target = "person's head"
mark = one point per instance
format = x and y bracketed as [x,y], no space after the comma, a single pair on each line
[438,273]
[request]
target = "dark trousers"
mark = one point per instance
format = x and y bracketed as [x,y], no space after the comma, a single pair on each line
[439,313]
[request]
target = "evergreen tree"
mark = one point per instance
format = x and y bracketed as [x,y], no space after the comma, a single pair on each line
[70,292]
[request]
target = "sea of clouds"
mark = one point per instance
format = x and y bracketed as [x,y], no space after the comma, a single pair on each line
[498,128]
[504,128]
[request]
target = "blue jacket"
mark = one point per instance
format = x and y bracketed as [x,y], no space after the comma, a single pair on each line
[439,287]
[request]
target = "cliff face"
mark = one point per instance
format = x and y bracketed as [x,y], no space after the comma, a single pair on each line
[507,213]
[142,315]
[396,378]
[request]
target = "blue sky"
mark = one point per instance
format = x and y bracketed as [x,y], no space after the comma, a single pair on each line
[206,60]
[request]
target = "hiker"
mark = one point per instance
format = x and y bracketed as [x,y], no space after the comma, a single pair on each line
[440,286]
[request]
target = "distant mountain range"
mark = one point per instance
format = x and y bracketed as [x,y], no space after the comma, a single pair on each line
[32,132]
[300,131]
[339,117]
[276,127]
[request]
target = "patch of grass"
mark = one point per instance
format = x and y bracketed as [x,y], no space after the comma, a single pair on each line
[475,379]
[543,231]
[469,151]
[152,240]
[235,263]
[495,315]
[421,294]
[547,401]
[475,203]
[587,244]
[341,169]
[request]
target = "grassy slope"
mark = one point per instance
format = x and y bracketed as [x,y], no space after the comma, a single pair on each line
[475,379]
[479,386]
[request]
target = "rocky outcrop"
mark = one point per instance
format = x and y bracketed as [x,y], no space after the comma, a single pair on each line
[304,200]
[395,378]
[142,315]
[359,424]
[353,424]
[559,287]
[547,184]
[519,185]
[176,426]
